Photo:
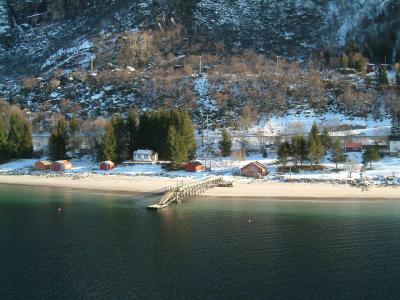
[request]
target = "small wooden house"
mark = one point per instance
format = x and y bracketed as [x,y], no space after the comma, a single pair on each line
[107,166]
[195,166]
[394,145]
[61,166]
[42,165]
[353,147]
[254,169]
[148,156]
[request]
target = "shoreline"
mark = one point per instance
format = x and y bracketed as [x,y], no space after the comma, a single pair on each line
[145,187]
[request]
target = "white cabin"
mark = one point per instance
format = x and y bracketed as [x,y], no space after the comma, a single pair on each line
[145,156]
[394,146]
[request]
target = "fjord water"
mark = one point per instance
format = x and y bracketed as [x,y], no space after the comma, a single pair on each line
[111,247]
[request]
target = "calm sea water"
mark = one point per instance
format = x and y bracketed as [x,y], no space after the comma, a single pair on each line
[110,247]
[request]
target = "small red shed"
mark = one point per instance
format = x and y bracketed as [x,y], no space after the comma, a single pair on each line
[254,169]
[107,165]
[353,147]
[195,166]
[61,166]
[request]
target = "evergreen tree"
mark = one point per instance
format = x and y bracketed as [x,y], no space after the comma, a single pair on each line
[188,135]
[381,76]
[59,141]
[284,152]
[225,145]
[366,52]
[120,134]
[371,155]
[109,145]
[398,79]
[315,148]
[20,137]
[338,155]
[132,128]
[299,148]
[4,150]
[176,153]
[326,139]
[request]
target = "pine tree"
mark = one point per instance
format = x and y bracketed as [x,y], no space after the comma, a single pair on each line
[315,148]
[132,128]
[188,135]
[176,153]
[120,134]
[366,52]
[381,76]
[109,145]
[4,146]
[59,141]
[326,139]
[20,137]
[299,148]
[225,145]
[338,155]
[284,151]
[371,155]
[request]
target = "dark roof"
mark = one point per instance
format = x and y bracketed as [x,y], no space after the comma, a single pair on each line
[195,163]
[354,145]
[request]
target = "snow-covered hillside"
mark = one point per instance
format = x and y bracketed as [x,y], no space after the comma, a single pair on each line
[287,27]
[5,22]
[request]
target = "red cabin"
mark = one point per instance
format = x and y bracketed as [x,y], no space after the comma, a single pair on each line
[195,166]
[107,166]
[353,147]
[60,166]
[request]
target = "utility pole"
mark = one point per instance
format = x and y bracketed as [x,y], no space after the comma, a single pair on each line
[201,65]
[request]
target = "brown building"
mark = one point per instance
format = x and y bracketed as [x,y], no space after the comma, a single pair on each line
[254,169]
[107,165]
[42,165]
[353,147]
[195,166]
[61,166]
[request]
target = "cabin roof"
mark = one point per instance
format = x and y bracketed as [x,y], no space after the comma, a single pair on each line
[257,164]
[44,162]
[144,151]
[354,145]
[195,163]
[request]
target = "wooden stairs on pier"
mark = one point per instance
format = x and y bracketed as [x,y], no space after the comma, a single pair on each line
[183,192]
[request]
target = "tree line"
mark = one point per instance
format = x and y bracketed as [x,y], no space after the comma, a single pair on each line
[170,133]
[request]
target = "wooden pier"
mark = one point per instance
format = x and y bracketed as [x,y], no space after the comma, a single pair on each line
[183,192]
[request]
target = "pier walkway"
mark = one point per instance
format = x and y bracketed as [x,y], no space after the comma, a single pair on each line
[183,192]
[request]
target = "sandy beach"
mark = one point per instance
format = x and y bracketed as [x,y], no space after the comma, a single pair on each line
[241,189]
